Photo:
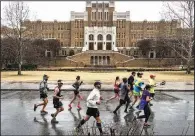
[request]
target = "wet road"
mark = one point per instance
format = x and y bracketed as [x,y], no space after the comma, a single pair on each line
[170,116]
[68,86]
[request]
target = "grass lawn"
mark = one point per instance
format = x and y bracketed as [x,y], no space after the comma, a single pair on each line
[90,77]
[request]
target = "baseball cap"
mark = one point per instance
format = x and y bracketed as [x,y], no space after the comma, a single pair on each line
[151,76]
[97,83]
[139,73]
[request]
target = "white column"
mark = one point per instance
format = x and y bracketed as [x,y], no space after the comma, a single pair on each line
[104,37]
[95,38]
[86,39]
[114,39]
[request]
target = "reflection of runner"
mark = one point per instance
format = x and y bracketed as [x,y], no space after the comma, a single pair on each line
[116,89]
[56,101]
[145,99]
[92,109]
[124,97]
[137,88]
[76,85]
[43,94]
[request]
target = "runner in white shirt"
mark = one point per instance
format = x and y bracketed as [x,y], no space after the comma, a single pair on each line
[92,109]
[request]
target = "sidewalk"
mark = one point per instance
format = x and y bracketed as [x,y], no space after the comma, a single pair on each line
[169,86]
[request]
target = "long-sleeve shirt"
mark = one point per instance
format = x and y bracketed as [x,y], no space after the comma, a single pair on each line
[93,97]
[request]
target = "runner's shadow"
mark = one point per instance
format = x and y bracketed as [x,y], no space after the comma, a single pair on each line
[116,118]
[57,130]
[45,124]
[75,117]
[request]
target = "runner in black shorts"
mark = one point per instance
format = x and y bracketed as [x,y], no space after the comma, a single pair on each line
[76,85]
[56,101]
[92,109]
[116,89]
[43,94]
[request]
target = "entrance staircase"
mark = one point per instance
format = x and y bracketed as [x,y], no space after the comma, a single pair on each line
[83,58]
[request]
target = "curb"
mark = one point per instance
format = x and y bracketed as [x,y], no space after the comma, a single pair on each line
[90,89]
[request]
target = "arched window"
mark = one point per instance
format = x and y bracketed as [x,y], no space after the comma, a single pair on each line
[108,37]
[100,37]
[91,37]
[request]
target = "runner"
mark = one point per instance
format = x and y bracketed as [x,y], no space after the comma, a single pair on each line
[116,89]
[56,101]
[145,99]
[137,89]
[43,94]
[152,83]
[76,85]
[92,109]
[131,83]
[124,97]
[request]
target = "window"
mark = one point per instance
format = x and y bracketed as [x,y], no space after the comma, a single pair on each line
[91,37]
[108,37]
[100,37]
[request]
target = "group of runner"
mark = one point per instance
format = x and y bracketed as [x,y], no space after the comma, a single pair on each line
[123,90]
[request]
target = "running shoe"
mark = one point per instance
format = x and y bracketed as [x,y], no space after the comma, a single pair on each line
[35,107]
[115,112]
[131,107]
[52,115]
[151,104]
[137,106]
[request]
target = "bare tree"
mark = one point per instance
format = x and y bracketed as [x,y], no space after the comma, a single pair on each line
[15,15]
[183,42]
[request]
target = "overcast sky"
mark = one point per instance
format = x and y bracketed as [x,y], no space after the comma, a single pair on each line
[50,10]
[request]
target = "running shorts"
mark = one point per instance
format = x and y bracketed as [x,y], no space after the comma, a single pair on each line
[57,104]
[136,93]
[43,96]
[93,112]
[76,92]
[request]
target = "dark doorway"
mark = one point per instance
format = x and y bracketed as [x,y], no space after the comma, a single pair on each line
[151,55]
[91,46]
[71,53]
[100,47]
[108,46]
[49,54]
